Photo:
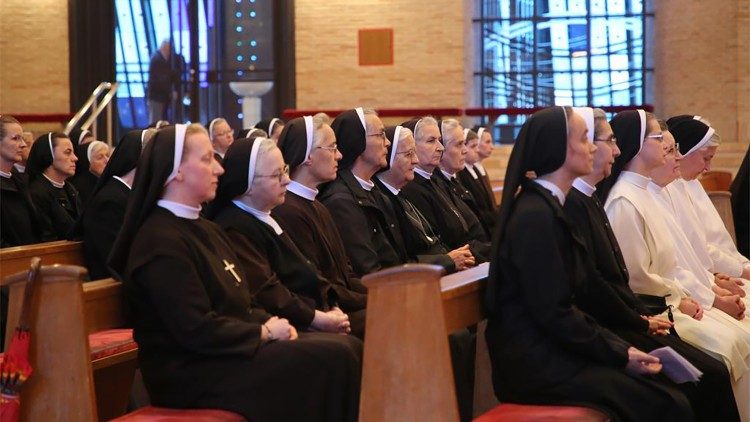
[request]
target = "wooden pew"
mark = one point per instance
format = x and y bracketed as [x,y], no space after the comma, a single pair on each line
[407,373]
[65,313]
[722,201]
[17,258]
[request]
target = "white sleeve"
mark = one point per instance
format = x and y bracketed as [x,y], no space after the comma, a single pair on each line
[630,230]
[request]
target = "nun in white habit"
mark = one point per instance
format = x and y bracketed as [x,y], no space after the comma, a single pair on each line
[651,256]
[703,225]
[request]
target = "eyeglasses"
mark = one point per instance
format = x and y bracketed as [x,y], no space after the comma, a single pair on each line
[658,137]
[332,148]
[611,140]
[229,132]
[674,148]
[380,135]
[17,138]
[280,175]
[409,154]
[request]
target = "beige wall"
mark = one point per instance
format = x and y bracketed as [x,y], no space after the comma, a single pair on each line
[429,53]
[704,67]
[34,57]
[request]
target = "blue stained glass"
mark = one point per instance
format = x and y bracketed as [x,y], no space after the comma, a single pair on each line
[535,53]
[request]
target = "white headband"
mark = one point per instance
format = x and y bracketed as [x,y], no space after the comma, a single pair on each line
[253,163]
[143,136]
[394,143]
[309,131]
[480,132]
[82,135]
[466,133]
[588,116]
[703,141]
[361,114]
[179,145]
[642,117]
[51,150]
[211,127]
[270,125]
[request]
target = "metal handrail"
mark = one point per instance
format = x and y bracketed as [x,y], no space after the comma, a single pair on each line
[106,102]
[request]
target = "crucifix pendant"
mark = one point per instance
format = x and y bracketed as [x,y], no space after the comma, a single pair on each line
[230,267]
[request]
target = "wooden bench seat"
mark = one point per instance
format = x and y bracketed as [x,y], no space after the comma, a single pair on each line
[407,372]
[17,258]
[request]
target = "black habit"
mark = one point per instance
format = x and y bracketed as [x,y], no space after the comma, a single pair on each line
[485,207]
[373,240]
[58,208]
[280,280]
[101,223]
[318,238]
[445,218]
[84,180]
[422,243]
[464,202]
[20,223]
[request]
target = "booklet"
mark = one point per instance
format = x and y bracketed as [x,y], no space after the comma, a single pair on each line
[676,367]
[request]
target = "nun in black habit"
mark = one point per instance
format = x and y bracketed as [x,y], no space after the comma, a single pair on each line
[92,157]
[543,348]
[358,207]
[606,295]
[202,342]
[52,161]
[471,179]
[272,127]
[105,212]
[422,242]
[281,279]
[308,145]
[445,212]
[19,223]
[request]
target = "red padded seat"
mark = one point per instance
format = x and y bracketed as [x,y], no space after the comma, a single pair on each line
[111,342]
[161,414]
[530,413]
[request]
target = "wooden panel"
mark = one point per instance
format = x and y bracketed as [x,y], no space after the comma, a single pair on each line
[723,203]
[462,294]
[103,305]
[61,387]
[375,47]
[17,258]
[716,180]
[407,372]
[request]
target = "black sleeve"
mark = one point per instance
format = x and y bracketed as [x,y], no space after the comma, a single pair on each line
[175,289]
[545,289]
[101,226]
[350,219]
[265,286]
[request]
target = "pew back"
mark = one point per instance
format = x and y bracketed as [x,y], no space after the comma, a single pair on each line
[17,258]
[723,203]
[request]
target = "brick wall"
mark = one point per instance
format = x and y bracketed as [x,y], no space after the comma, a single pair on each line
[429,53]
[702,62]
[34,57]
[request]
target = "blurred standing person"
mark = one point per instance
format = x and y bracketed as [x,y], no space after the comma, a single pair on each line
[159,89]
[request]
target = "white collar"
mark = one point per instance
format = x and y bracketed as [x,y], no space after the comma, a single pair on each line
[388,185]
[55,184]
[4,174]
[584,187]
[422,173]
[20,167]
[481,169]
[366,184]
[260,215]
[301,190]
[637,179]
[180,210]
[471,171]
[556,191]
[220,154]
[447,175]
[123,182]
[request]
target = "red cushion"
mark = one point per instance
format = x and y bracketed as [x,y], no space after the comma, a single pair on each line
[109,342]
[161,414]
[528,413]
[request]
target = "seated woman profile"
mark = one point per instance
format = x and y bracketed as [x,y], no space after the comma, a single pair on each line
[202,342]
